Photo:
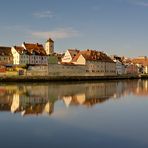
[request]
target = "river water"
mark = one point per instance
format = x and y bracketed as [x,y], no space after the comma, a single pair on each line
[103,114]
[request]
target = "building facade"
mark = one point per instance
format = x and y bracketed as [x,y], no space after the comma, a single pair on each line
[131,69]
[37,53]
[120,67]
[20,55]
[6,57]
[95,62]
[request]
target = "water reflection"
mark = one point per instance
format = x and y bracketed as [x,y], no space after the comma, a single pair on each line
[38,99]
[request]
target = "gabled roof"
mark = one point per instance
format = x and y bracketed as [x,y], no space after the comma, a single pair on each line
[73,52]
[37,48]
[93,55]
[5,51]
[19,49]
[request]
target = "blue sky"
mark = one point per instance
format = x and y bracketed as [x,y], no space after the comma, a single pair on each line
[113,26]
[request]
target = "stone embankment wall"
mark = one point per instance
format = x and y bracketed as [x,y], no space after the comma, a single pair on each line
[74,70]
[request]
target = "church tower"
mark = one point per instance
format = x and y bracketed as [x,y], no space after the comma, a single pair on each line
[49,46]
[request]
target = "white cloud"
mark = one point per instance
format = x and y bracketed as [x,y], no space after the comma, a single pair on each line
[43,14]
[145,4]
[139,2]
[59,33]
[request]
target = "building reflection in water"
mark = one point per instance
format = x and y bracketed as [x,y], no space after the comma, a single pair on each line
[36,99]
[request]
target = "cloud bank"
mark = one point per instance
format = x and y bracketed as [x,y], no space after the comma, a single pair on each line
[43,14]
[60,33]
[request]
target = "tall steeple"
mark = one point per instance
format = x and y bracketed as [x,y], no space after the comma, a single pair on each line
[49,46]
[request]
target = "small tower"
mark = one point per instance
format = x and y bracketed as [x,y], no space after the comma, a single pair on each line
[49,46]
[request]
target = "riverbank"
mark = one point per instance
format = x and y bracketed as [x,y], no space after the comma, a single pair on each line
[66,78]
[144,76]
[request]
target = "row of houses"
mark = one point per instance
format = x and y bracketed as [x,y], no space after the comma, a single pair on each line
[73,62]
[97,61]
[28,53]
[137,65]
[44,61]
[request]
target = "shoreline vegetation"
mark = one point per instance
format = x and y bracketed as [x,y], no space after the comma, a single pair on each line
[68,78]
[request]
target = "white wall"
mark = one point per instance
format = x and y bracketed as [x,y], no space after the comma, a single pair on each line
[67,57]
[16,56]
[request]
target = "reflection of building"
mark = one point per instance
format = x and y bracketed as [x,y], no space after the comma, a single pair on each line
[76,99]
[28,99]
[142,89]
[93,94]
[40,99]
[37,109]
[15,103]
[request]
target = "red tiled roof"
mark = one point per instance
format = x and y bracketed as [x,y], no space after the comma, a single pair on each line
[93,55]
[19,49]
[5,51]
[73,52]
[37,48]
[143,62]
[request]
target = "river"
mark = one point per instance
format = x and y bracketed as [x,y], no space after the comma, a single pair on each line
[74,115]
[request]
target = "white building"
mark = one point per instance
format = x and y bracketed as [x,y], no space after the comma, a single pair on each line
[49,46]
[120,67]
[37,53]
[96,62]
[20,55]
[69,55]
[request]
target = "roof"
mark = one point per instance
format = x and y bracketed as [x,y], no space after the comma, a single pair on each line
[19,49]
[49,40]
[127,61]
[93,55]
[117,58]
[73,52]
[5,51]
[37,48]
[142,61]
